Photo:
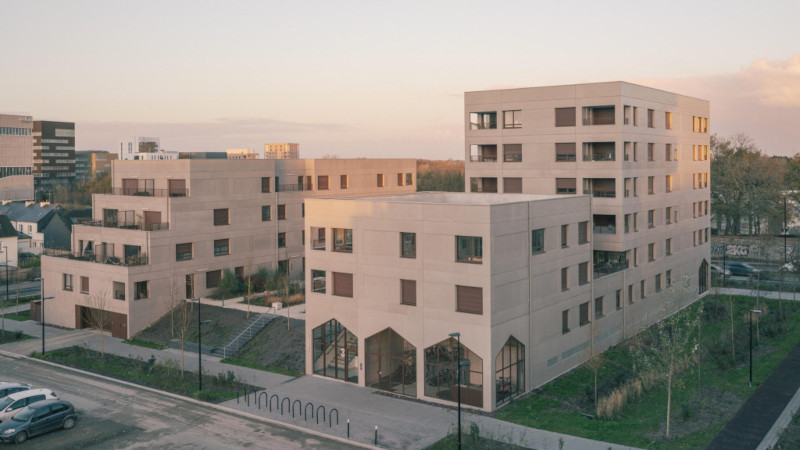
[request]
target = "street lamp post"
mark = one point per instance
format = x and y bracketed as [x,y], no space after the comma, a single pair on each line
[199,344]
[3,310]
[458,381]
[751,343]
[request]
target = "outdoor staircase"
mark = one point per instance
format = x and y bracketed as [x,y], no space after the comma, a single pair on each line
[244,335]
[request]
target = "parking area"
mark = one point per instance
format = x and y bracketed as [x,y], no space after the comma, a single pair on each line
[115,415]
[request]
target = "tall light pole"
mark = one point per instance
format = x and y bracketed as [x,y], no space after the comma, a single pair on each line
[458,381]
[199,344]
[3,310]
[41,309]
[751,343]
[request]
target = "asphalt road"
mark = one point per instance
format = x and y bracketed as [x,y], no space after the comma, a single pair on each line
[25,289]
[117,416]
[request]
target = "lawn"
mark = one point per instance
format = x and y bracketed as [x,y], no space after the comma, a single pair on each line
[13,336]
[224,324]
[21,317]
[164,376]
[145,344]
[13,301]
[275,349]
[696,414]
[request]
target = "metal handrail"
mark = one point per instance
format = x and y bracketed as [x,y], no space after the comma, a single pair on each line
[258,319]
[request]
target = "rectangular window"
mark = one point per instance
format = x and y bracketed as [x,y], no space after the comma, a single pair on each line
[221,247]
[668,152]
[668,246]
[635,256]
[583,273]
[67,281]
[303,237]
[469,249]
[628,226]
[635,151]
[565,321]
[565,117]
[598,115]
[630,294]
[651,252]
[85,285]
[399,179]
[668,278]
[584,313]
[651,151]
[409,179]
[651,118]
[302,210]
[266,213]
[635,116]
[322,182]
[512,119]
[658,283]
[512,185]
[342,284]
[344,181]
[281,212]
[564,236]
[140,290]
[380,180]
[598,307]
[408,292]
[512,152]
[119,290]
[483,120]
[212,278]
[667,120]
[651,218]
[668,183]
[635,222]
[221,217]
[408,245]
[583,232]
[565,151]
[651,185]
[183,252]
[626,113]
[265,184]
[343,240]
[318,281]
[282,240]
[643,289]
[317,238]
[618,300]
[668,215]
[537,241]
[469,299]
[564,278]
[566,186]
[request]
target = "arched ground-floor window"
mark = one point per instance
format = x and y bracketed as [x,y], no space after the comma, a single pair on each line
[441,362]
[335,352]
[702,277]
[509,378]
[391,363]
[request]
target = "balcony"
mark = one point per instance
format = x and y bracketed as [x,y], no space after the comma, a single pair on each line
[130,261]
[600,187]
[124,224]
[144,192]
[599,151]
[296,187]
[483,185]
[605,224]
[483,153]
[598,115]
[606,263]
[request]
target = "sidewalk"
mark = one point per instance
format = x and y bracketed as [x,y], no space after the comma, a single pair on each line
[755,418]
[401,423]
[762,294]
[294,311]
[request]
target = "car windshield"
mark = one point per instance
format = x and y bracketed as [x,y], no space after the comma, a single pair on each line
[5,402]
[24,414]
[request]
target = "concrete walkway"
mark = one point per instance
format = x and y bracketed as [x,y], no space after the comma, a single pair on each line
[756,417]
[402,423]
[762,294]
[294,311]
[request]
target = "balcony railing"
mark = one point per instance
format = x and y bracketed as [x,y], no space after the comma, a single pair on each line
[607,268]
[124,225]
[317,245]
[130,261]
[603,194]
[605,229]
[478,158]
[295,187]
[142,192]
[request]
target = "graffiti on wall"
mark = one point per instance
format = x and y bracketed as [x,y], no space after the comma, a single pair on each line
[732,249]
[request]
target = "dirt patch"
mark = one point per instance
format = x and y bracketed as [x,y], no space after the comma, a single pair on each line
[700,413]
[275,346]
[224,324]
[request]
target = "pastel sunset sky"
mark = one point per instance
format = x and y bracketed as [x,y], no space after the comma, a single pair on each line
[380,79]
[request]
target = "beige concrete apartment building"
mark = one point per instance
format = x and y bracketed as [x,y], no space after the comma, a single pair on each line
[395,275]
[168,229]
[281,151]
[16,157]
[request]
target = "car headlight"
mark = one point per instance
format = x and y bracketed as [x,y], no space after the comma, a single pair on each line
[9,431]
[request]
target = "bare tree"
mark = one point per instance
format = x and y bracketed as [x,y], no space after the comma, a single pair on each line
[733,339]
[98,315]
[175,301]
[249,282]
[184,318]
[595,362]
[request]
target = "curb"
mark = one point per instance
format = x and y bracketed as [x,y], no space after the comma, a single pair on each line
[773,435]
[195,401]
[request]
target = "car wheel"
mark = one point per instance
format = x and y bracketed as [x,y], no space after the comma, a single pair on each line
[69,423]
[21,437]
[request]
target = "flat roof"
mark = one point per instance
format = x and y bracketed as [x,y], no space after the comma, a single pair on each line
[454,198]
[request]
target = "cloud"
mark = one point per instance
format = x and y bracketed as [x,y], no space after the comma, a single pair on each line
[762,100]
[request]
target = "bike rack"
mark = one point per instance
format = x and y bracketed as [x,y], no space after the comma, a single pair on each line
[322,407]
[277,401]
[330,414]
[246,395]
[305,412]
[294,403]
[286,399]
[266,397]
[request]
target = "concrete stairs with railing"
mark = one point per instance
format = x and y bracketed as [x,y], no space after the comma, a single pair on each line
[244,335]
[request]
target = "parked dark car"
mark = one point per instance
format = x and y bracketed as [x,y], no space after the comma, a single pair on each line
[718,271]
[38,418]
[742,269]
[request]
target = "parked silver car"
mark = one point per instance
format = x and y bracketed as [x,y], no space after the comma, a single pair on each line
[16,401]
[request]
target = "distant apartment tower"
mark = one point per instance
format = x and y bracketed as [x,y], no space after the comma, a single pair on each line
[129,148]
[242,153]
[54,156]
[16,157]
[168,230]
[282,151]
[93,163]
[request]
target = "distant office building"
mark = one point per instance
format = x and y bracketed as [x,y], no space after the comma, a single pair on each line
[129,148]
[155,156]
[16,157]
[93,163]
[241,153]
[202,155]
[53,156]
[282,151]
